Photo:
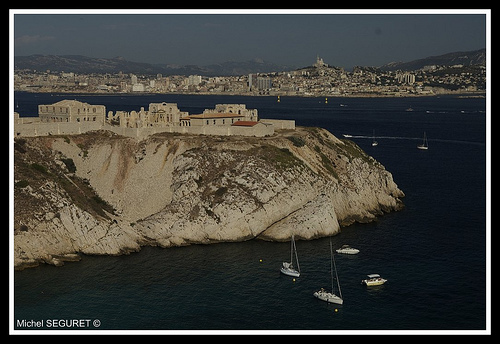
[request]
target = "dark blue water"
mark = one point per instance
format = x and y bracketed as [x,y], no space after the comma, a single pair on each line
[433,253]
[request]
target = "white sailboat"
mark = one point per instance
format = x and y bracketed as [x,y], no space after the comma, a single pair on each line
[425,144]
[324,295]
[287,268]
[374,143]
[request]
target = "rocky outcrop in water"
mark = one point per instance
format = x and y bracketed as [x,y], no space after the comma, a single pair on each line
[104,194]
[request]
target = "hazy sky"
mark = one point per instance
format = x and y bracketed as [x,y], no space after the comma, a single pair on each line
[342,40]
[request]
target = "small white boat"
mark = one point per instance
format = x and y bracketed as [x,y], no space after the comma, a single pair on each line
[373,279]
[323,295]
[425,144]
[346,249]
[374,143]
[288,268]
[347,135]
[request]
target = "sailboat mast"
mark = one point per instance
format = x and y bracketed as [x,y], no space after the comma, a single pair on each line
[331,263]
[337,276]
[333,266]
[296,256]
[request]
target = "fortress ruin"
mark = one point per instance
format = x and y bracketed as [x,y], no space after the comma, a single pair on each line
[69,117]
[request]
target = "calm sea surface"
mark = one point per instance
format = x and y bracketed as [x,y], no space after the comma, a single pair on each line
[433,253]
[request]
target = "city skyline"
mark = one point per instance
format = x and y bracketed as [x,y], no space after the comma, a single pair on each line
[295,38]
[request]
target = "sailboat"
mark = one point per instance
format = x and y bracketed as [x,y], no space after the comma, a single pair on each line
[324,295]
[288,268]
[374,143]
[424,144]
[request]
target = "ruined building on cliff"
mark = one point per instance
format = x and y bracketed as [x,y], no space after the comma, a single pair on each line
[68,117]
[72,111]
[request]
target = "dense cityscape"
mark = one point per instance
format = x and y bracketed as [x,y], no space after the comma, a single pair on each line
[320,79]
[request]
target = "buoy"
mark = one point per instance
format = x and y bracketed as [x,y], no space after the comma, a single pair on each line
[336,310]
[260,260]
[293,280]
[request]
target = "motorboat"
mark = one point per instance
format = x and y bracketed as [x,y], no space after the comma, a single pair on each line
[346,249]
[373,279]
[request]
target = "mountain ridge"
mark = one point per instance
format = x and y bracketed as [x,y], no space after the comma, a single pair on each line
[466,58]
[85,64]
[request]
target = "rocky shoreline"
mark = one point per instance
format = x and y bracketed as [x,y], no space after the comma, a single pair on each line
[103,194]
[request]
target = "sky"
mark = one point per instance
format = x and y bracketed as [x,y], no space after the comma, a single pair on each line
[292,38]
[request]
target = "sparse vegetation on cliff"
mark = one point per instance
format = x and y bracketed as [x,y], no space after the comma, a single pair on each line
[100,193]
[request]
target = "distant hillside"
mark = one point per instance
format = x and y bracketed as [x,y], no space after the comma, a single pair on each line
[84,64]
[466,58]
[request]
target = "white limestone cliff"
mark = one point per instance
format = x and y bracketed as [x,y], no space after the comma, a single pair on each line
[173,190]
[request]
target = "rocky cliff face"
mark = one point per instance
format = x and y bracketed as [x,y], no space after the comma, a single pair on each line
[100,193]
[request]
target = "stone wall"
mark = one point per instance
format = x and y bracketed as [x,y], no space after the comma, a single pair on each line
[280,123]
[31,127]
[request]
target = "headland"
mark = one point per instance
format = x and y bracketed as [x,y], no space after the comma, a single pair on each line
[102,193]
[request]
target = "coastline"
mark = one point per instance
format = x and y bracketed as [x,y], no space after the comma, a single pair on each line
[462,94]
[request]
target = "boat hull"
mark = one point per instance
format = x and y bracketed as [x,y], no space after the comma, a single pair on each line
[290,272]
[370,283]
[328,297]
[348,251]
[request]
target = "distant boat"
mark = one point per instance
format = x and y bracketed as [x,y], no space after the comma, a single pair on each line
[425,144]
[347,135]
[288,268]
[373,279]
[324,295]
[346,249]
[409,109]
[374,143]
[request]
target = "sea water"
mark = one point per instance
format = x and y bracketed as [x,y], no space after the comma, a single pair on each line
[433,253]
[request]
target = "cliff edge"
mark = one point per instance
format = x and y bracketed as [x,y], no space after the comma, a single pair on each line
[105,194]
